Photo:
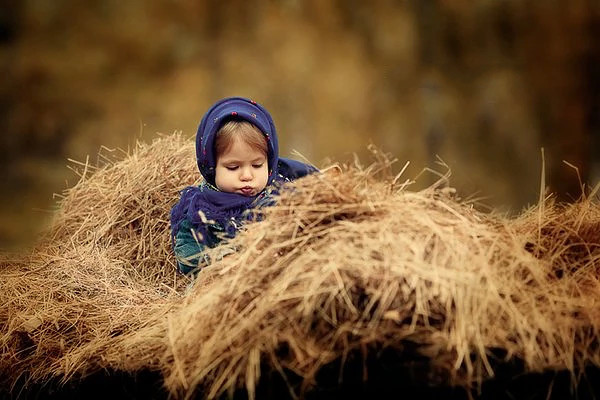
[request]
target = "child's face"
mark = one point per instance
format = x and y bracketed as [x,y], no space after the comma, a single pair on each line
[241,169]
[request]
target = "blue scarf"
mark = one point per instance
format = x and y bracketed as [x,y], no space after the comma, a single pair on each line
[205,204]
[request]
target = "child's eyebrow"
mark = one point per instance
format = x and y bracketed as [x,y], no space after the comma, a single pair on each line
[236,161]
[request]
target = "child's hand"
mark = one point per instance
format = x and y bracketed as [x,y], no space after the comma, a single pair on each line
[219,252]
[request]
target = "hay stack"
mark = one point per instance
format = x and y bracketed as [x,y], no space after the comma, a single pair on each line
[104,269]
[345,261]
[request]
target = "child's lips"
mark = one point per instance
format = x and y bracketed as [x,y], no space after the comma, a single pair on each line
[247,190]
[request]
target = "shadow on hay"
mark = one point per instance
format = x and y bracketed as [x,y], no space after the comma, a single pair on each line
[387,373]
[383,374]
[103,384]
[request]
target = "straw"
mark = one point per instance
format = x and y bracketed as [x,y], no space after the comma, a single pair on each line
[349,259]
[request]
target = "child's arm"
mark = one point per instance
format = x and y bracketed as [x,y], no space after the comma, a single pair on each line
[292,169]
[189,250]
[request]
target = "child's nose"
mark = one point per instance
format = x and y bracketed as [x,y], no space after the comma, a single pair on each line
[246,174]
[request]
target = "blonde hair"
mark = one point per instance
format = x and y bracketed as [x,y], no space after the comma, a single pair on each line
[243,130]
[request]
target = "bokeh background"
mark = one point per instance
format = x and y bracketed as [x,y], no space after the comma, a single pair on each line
[483,84]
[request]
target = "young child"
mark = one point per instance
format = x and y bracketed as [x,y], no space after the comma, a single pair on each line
[238,156]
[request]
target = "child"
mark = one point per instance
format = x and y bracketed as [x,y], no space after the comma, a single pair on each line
[238,156]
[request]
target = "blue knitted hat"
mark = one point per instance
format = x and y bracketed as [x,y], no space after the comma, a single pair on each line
[237,108]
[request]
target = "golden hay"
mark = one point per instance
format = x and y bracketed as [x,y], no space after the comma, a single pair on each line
[346,260]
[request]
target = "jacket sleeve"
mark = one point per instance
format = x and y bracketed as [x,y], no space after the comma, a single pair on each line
[189,251]
[292,169]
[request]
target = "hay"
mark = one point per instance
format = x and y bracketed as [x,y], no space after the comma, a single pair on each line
[348,260]
[103,271]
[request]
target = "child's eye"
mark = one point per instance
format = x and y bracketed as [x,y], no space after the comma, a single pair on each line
[257,165]
[232,167]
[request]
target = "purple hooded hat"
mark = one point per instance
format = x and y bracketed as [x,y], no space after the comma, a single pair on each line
[233,108]
[229,209]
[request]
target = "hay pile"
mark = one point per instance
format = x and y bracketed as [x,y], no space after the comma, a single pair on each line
[102,272]
[347,260]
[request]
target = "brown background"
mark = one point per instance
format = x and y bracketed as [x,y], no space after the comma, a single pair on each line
[483,84]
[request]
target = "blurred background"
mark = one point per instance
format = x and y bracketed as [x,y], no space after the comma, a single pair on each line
[482,84]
